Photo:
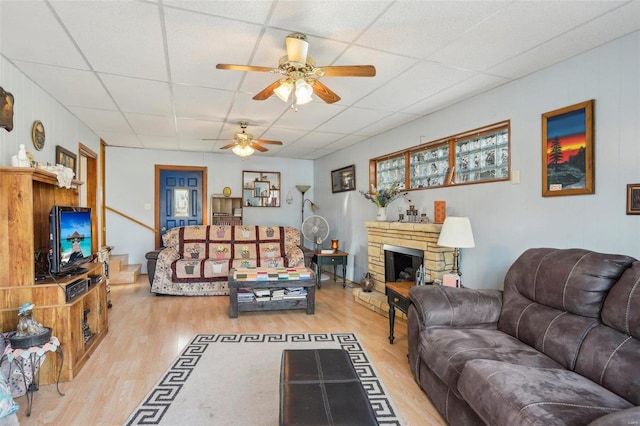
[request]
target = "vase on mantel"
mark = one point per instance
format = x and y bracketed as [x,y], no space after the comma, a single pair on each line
[382,214]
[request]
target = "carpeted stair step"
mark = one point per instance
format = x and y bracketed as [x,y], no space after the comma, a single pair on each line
[121,272]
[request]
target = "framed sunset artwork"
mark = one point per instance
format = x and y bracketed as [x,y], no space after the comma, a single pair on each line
[567,151]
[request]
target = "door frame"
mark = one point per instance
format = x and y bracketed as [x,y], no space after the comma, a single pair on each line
[161,168]
[90,176]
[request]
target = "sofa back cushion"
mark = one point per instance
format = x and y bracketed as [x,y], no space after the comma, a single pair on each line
[610,355]
[553,298]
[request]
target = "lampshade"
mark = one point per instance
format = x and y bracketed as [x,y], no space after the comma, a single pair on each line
[456,232]
[303,92]
[243,150]
[303,188]
[284,90]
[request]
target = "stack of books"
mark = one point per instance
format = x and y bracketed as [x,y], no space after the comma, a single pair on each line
[246,295]
[295,293]
[277,294]
[262,294]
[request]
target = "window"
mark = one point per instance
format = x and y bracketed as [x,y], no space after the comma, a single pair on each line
[477,156]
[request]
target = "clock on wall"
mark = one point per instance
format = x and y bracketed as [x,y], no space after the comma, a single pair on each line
[37,135]
[226,191]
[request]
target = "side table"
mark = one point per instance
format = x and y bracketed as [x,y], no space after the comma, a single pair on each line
[33,356]
[397,298]
[335,259]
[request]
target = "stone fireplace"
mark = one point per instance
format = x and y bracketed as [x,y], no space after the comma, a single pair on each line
[407,238]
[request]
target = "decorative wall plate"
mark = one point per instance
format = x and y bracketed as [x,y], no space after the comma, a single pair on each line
[37,135]
[226,191]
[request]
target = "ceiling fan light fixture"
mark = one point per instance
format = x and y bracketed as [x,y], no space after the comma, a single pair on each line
[284,90]
[242,150]
[297,48]
[303,92]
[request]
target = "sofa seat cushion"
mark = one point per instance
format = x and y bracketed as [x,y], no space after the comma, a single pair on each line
[508,394]
[446,351]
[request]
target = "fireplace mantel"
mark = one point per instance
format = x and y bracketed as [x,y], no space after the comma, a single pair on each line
[421,236]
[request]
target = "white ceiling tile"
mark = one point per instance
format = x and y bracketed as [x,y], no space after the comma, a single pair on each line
[388,123]
[354,118]
[70,87]
[247,11]
[150,125]
[118,37]
[124,139]
[30,32]
[265,112]
[198,129]
[101,119]
[337,20]
[418,83]
[477,84]
[198,42]
[137,95]
[159,142]
[517,28]
[417,28]
[309,116]
[317,139]
[200,102]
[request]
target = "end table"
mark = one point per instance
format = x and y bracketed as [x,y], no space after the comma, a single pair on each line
[397,297]
[33,357]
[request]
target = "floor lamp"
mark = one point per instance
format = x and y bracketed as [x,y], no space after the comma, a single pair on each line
[303,189]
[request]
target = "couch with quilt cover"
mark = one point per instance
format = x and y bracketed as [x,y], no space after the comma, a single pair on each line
[558,346]
[196,260]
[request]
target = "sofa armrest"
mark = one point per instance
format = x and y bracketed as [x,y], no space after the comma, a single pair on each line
[626,417]
[295,255]
[456,307]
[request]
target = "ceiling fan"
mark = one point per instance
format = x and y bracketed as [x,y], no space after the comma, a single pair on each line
[301,74]
[243,143]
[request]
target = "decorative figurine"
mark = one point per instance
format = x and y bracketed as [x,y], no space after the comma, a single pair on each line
[27,326]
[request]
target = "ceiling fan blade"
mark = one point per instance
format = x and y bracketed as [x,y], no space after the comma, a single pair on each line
[350,71]
[268,142]
[233,67]
[228,146]
[268,91]
[258,147]
[325,93]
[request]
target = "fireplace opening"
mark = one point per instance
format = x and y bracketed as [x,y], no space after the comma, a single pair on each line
[401,263]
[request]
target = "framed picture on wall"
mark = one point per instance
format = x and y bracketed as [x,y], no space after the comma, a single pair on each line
[633,198]
[343,179]
[567,150]
[66,158]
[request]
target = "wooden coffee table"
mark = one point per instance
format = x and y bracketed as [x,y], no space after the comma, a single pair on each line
[308,303]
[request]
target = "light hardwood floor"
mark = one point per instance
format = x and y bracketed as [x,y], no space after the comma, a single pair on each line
[147,332]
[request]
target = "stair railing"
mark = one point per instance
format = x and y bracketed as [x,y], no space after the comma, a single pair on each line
[144,225]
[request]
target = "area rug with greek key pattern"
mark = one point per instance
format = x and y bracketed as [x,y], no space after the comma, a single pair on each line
[233,379]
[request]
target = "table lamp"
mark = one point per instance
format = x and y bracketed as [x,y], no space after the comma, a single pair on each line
[456,232]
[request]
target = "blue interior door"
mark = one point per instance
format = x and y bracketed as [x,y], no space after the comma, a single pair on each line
[181,199]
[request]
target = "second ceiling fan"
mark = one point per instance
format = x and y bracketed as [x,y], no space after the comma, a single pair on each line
[301,74]
[243,143]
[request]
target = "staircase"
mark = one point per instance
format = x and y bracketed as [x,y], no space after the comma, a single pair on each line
[120,272]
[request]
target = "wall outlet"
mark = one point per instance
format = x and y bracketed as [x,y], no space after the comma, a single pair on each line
[515,177]
[148,206]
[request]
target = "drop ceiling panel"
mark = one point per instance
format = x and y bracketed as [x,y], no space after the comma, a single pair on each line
[244,11]
[124,139]
[202,103]
[198,129]
[317,139]
[101,119]
[198,42]
[137,95]
[342,21]
[70,87]
[309,116]
[123,38]
[418,28]
[355,118]
[149,125]
[162,142]
[387,123]
[246,108]
[515,29]
[30,32]
[418,83]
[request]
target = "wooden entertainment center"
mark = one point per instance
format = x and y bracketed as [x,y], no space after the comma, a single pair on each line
[26,197]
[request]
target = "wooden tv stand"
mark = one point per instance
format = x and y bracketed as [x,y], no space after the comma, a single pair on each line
[26,197]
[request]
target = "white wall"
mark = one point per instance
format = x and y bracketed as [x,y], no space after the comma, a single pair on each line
[130,175]
[509,218]
[31,103]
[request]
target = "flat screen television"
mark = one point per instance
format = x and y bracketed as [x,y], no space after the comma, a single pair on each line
[69,239]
